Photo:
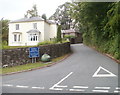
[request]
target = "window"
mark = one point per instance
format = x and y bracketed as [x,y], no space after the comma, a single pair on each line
[33,37]
[17,37]
[35,25]
[17,26]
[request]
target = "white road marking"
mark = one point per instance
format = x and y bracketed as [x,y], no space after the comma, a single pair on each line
[80,86]
[100,90]
[7,85]
[22,86]
[116,91]
[103,75]
[57,84]
[76,90]
[38,87]
[117,87]
[102,87]
[61,86]
[57,89]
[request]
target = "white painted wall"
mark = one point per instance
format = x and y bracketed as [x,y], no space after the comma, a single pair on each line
[47,31]
[53,30]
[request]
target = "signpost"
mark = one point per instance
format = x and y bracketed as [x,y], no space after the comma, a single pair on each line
[34,53]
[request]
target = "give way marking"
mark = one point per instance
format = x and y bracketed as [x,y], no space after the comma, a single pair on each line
[109,74]
[57,84]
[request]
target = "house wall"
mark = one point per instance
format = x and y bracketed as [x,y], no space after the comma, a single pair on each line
[23,29]
[40,27]
[53,31]
[46,31]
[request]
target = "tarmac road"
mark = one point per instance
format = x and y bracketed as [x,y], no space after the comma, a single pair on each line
[85,71]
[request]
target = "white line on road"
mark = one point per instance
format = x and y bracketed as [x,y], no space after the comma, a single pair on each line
[103,75]
[7,85]
[80,86]
[57,84]
[116,91]
[61,86]
[100,90]
[57,89]
[64,78]
[38,87]
[76,90]
[117,87]
[22,86]
[102,87]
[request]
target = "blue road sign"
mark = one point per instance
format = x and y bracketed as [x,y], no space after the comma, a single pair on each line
[34,52]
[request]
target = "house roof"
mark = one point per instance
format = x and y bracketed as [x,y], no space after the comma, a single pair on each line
[32,19]
[28,19]
[51,21]
[33,30]
[68,31]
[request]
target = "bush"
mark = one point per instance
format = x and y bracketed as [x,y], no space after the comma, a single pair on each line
[46,43]
[59,39]
[69,36]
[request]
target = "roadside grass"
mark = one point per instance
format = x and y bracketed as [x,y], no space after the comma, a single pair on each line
[13,47]
[3,46]
[29,66]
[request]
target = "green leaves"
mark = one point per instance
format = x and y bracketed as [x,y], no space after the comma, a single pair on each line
[100,23]
[5,31]
[62,15]
[33,12]
[59,39]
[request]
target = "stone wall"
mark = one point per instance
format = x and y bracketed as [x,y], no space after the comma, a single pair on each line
[19,56]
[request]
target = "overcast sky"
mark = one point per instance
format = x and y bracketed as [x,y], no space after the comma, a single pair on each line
[15,9]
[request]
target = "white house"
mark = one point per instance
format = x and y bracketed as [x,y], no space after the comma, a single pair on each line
[30,31]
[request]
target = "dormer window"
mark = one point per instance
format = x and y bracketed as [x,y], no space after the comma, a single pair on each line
[34,25]
[17,26]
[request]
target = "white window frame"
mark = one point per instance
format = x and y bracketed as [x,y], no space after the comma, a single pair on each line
[17,37]
[34,37]
[17,26]
[34,25]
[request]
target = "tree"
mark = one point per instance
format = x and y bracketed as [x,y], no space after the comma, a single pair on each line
[32,13]
[59,39]
[100,24]
[62,16]
[44,17]
[5,30]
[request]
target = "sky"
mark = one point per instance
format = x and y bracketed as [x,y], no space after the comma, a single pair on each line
[15,9]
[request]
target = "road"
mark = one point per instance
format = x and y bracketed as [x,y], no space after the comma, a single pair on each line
[85,71]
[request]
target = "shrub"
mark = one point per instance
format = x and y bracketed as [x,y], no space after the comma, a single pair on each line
[59,39]
[69,36]
[46,43]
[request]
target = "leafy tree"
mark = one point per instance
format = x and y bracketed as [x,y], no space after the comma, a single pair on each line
[99,22]
[32,13]
[62,16]
[5,30]
[44,17]
[59,39]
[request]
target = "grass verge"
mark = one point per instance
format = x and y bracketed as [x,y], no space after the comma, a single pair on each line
[30,66]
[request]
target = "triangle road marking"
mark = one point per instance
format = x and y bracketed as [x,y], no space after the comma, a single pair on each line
[103,75]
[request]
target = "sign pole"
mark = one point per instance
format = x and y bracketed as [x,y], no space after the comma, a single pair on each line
[32,60]
[35,59]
